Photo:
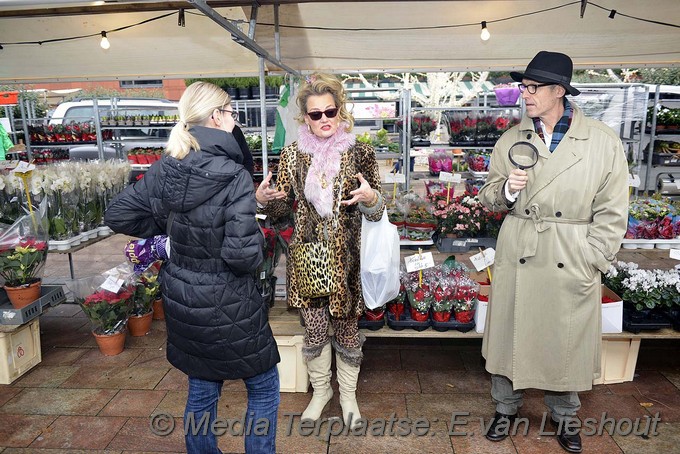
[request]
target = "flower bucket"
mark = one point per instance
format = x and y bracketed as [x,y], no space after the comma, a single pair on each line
[110,344]
[23,295]
[158,311]
[507,96]
[140,325]
[441,316]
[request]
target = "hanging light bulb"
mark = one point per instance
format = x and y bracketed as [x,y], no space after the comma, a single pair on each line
[104,42]
[485,35]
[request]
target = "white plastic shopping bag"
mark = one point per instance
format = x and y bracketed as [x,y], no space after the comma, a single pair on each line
[379,261]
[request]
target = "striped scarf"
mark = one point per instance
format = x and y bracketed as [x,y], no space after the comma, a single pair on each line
[560,129]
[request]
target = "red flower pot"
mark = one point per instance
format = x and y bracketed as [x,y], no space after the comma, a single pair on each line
[441,316]
[396,309]
[465,316]
[419,316]
[375,315]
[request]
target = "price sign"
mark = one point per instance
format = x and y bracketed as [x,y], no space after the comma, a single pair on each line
[419,262]
[450,177]
[675,254]
[484,259]
[633,180]
[395,178]
[112,284]
[23,167]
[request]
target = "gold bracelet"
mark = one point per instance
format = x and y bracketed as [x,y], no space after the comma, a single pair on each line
[375,200]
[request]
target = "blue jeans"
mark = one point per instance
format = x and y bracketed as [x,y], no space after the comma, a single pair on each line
[263,404]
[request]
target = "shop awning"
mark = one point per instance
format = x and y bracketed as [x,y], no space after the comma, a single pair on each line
[331,36]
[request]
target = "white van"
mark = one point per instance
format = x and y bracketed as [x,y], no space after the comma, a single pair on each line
[123,138]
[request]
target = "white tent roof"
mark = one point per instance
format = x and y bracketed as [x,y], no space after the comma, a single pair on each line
[337,36]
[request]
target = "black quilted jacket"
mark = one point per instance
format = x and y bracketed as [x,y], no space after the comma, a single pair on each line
[216,320]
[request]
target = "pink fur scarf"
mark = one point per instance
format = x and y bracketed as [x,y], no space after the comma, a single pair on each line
[326,156]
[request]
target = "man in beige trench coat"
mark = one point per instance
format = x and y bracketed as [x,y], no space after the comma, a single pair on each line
[567,216]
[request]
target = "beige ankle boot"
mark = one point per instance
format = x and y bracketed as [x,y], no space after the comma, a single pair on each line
[319,370]
[347,379]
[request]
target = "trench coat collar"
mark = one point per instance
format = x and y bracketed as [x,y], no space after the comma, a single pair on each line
[564,156]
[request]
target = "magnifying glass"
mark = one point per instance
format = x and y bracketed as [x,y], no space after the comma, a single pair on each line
[524,155]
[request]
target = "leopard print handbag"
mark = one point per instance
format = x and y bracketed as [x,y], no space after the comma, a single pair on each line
[314,262]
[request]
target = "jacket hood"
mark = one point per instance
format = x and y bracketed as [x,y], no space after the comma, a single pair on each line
[201,174]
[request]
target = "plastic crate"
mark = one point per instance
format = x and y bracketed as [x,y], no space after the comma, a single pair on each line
[463,244]
[619,357]
[292,368]
[19,350]
[8,98]
[50,295]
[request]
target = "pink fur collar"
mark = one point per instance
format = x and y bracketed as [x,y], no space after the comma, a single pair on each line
[326,156]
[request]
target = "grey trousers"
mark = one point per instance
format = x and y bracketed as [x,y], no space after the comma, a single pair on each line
[562,405]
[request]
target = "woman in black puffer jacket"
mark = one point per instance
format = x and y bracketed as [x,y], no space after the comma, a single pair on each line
[203,197]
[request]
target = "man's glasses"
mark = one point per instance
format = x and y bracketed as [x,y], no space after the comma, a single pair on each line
[316,115]
[531,88]
[233,114]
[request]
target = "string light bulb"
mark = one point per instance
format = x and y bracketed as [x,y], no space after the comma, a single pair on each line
[104,43]
[485,35]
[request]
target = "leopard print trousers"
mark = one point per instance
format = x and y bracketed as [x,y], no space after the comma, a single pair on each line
[317,321]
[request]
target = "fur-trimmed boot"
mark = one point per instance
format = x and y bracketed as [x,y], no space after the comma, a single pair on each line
[348,362]
[319,370]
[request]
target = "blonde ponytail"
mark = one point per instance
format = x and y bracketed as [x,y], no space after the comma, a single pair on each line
[196,105]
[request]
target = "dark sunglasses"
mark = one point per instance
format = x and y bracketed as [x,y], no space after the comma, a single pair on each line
[316,115]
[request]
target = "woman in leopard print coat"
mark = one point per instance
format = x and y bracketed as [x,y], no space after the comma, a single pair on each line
[324,166]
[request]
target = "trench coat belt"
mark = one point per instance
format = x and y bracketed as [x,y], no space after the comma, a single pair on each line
[541,224]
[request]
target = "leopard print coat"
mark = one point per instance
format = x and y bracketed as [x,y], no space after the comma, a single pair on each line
[348,301]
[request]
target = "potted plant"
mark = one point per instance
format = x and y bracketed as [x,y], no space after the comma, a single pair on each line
[21,265]
[420,296]
[420,221]
[421,127]
[443,302]
[465,299]
[462,129]
[146,292]
[396,306]
[107,301]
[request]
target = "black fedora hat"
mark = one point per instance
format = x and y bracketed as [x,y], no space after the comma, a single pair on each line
[549,67]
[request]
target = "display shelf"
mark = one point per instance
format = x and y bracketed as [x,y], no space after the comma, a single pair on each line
[63,145]
[660,243]
[149,126]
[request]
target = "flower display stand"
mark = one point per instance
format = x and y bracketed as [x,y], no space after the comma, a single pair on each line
[19,350]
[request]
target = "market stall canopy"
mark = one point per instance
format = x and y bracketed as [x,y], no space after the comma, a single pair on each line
[333,36]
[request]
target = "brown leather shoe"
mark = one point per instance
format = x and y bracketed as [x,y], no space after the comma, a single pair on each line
[569,439]
[496,433]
